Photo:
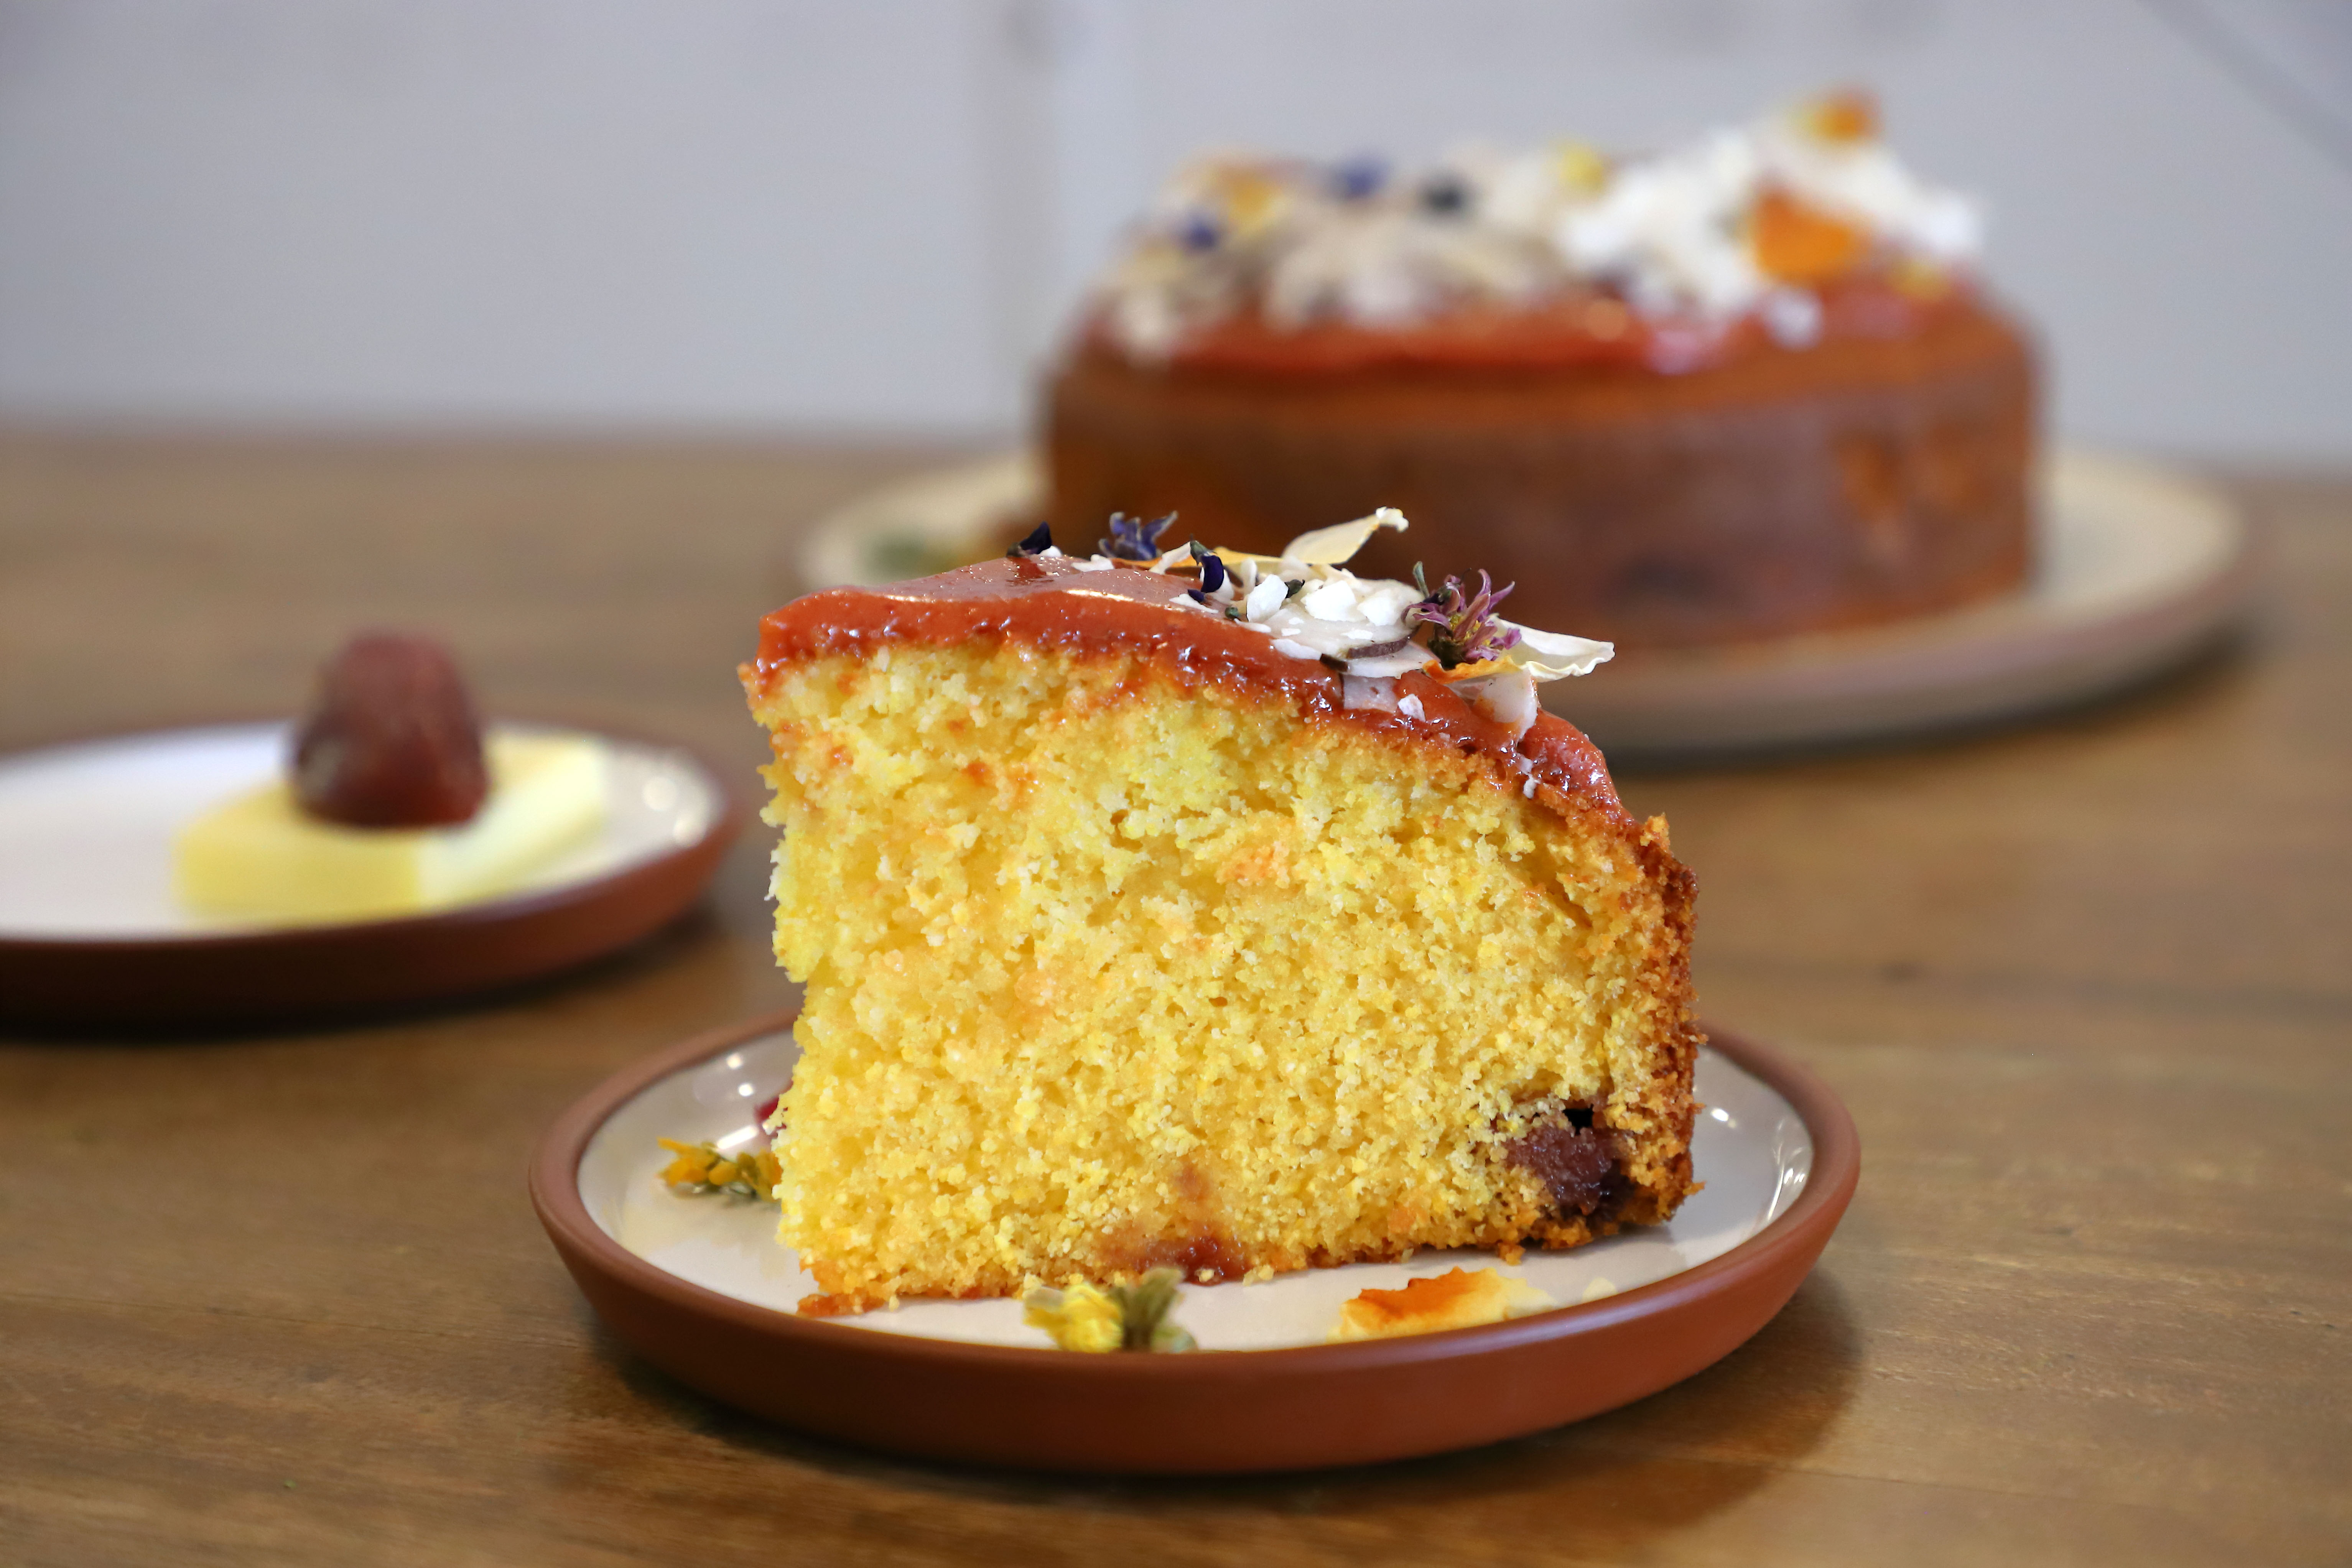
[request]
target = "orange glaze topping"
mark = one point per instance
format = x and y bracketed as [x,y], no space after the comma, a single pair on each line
[1050,604]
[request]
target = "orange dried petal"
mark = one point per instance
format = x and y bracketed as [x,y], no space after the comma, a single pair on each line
[1798,244]
[1849,114]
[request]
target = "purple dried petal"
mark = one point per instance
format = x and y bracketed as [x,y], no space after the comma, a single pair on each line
[1212,571]
[1040,539]
[1355,179]
[1464,628]
[1134,538]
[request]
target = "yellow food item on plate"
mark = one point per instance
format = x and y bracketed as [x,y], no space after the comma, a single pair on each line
[260,856]
[1458,1299]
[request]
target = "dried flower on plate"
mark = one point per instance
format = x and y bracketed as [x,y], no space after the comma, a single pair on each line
[1459,1299]
[1088,1318]
[703,1168]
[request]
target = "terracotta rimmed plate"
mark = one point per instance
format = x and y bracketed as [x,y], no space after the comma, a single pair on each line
[90,936]
[697,1285]
[2137,567]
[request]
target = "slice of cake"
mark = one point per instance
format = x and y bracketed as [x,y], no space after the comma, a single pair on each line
[1231,913]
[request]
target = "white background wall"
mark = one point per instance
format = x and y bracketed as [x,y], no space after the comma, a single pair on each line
[819,215]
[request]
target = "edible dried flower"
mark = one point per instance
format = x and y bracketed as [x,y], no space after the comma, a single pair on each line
[1040,539]
[1849,115]
[1199,231]
[1355,179]
[1795,242]
[704,1168]
[1463,627]
[1459,1299]
[1135,538]
[1123,1318]
[1445,193]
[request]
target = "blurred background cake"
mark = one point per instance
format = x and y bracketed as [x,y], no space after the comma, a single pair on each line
[1741,388]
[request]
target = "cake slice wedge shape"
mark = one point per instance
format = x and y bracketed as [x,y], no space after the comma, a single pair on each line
[1152,915]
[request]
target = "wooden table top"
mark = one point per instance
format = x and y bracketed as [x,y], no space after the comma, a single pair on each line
[2086,985]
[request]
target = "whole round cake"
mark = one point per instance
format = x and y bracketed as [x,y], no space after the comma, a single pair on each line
[1739,390]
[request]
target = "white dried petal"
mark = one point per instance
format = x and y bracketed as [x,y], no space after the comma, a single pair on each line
[1549,655]
[1508,697]
[1405,661]
[1333,546]
[1266,598]
[1332,600]
[1383,601]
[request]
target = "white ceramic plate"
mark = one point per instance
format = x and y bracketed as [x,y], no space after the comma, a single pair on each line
[2137,567]
[86,830]
[1752,1148]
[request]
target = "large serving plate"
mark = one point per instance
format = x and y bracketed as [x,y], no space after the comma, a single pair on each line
[699,1285]
[2136,568]
[90,934]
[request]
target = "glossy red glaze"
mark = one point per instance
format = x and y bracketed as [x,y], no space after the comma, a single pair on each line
[1051,604]
[1589,330]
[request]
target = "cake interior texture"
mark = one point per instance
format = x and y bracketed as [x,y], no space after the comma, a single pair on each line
[1103,974]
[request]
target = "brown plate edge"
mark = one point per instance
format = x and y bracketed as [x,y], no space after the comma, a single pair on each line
[254,977]
[1217,1412]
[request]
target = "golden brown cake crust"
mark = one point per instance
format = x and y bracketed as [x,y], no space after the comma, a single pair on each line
[1880,473]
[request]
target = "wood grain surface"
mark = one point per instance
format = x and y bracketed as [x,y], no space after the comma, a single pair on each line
[2087,987]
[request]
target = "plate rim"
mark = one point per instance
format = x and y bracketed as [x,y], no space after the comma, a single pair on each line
[622,1285]
[35,994]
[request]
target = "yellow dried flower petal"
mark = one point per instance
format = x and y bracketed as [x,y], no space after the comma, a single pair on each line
[1581,167]
[1920,279]
[1081,1318]
[691,1169]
